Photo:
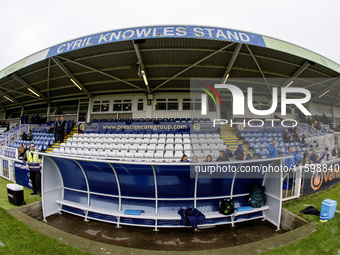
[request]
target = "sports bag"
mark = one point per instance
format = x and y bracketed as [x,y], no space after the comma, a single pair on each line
[257,197]
[226,206]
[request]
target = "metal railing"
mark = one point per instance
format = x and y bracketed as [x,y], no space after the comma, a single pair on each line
[13,134]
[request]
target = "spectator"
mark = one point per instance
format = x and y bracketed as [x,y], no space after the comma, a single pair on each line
[314,157]
[55,128]
[50,130]
[61,130]
[21,151]
[290,161]
[300,162]
[335,151]
[194,159]
[238,152]
[309,121]
[185,158]
[273,150]
[315,144]
[222,156]
[306,154]
[308,161]
[22,119]
[303,141]
[26,118]
[30,136]
[23,136]
[286,136]
[33,165]
[228,152]
[297,155]
[208,158]
[296,137]
[249,157]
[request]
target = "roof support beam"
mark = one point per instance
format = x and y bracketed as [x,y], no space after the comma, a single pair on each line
[191,66]
[19,79]
[231,63]
[11,98]
[140,65]
[71,76]
[336,82]
[297,73]
[259,67]
[101,72]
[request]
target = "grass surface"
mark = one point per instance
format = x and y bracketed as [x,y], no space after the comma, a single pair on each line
[4,198]
[17,238]
[326,240]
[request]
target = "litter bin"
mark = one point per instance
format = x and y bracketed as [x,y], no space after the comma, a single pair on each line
[15,194]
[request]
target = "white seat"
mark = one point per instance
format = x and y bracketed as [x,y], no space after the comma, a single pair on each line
[160,147]
[169,155]
[139,155]
[111,154]
[93,146]
[73,151]
[162,135]
[79,151]
[67,150]
[61,150]
[186,147]
[170,136]
[86,153]
[158,155]
[149,155]
[178,147]
[151,147]
[169,140]
[169,147]
[161,140]
[178,141]
[94,153]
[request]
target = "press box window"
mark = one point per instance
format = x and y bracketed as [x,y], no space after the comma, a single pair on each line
[167,104]
[122,105]
[100,106]
[140,106]
[191,104]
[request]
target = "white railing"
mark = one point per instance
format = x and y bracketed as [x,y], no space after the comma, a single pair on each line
[13,134]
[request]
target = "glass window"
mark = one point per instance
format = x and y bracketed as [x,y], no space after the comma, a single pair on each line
[167,104]
[140,106]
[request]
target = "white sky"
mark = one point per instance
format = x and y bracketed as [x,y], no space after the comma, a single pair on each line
[28,26]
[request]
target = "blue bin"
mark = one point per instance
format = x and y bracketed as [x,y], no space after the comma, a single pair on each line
[328,206]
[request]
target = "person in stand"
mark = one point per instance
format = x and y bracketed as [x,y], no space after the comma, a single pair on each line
[303,141]
[208,158]
[23,136]
[228,152]
[32,162]
[61,130]
[273,150]
[194,159]
[297,155]
[289,161]
[21,151]
[222,156]
[335,152]
[55,128]
[29,136]
[286,136]
[185,158]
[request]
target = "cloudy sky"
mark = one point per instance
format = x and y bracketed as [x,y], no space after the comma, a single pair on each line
[30,26]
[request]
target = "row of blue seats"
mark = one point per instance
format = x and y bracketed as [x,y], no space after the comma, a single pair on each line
[40,133]
[263,140]
[38,146]
[262,134]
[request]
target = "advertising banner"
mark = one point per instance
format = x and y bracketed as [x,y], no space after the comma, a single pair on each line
[22,175]
[149,127]
[320,176]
